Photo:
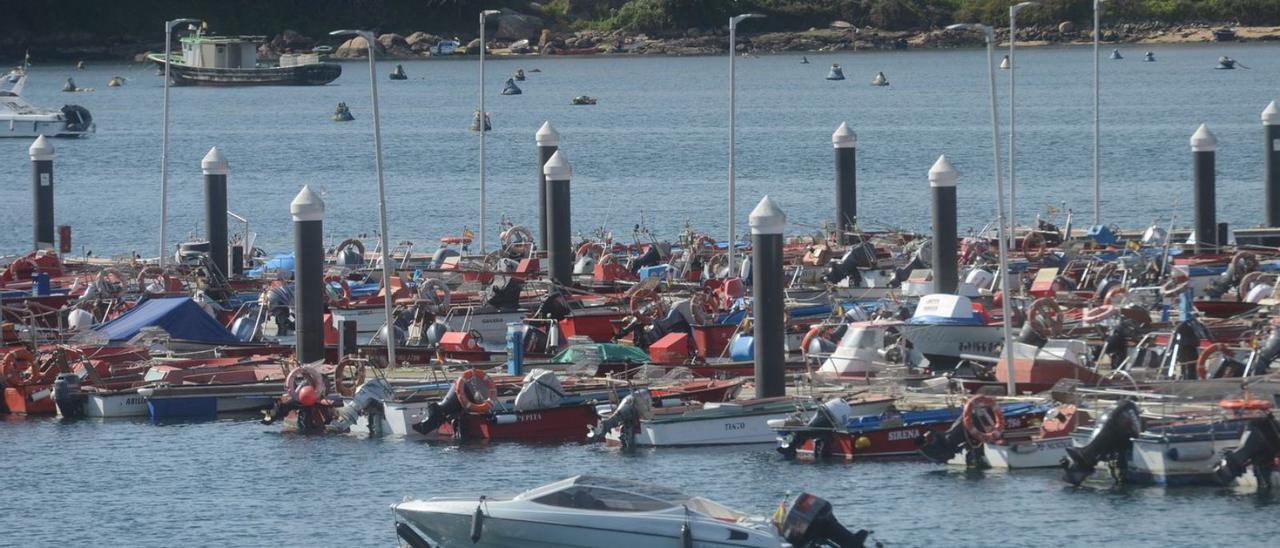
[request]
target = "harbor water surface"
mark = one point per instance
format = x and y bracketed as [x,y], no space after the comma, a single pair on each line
[653,149]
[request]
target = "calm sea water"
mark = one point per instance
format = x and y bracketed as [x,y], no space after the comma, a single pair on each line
[654,149]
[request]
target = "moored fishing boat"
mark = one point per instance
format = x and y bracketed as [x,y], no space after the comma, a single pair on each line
[208,60]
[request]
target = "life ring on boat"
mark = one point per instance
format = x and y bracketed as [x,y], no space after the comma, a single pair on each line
[1063,418]
[455,240]
[1047,317]
[705,307]
[584,250]
[14,363]
[435,291]
[350,242]
[646,305]
[716,263]
[1099,313]
[154,274]
[474,380]
[345,298]
[816,331]
[340,379]
[1034,246]
[704,246]
[1247,261]
[312,377]
[20,267]
[1246,284]
[1115,294]
[110,284]
[517,246]
[1177,284]
[971,409]
[1245,405]
[1202,363]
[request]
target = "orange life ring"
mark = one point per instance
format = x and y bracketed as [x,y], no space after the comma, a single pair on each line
[1046,315]
[345,300]
[464,240]
[1245,405]
[14,363]
[970,409]
[1034,241]
[1202,371]
[472,376]
[646,305]
[704,245]
[340,380]
[1249,260]
[1100,313]
[584,250]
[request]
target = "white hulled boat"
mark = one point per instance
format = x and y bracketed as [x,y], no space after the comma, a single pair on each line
[19,118]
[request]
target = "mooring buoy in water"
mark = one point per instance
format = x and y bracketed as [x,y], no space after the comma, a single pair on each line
[519,75]
[804,60]
[1004,63]
[399,74]
[80,65]
[1226,63]
[115,82]
[342,113]
[511,88]
[880,80]
[475,122]
[1115,55]
[836,72]
[70,85]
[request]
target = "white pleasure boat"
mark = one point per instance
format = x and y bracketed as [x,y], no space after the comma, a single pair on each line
[19,118]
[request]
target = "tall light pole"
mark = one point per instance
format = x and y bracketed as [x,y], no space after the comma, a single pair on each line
[1097,181]
[164,137]
[382,195]
[483,127]
[733,104]
[1013,68]
[990,35]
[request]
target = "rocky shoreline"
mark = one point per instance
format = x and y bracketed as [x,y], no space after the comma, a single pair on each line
[418,45]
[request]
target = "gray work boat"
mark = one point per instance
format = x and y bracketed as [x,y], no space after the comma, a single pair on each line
[233,61]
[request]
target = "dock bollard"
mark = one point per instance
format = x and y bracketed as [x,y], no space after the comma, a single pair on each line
[308,274]
[1203,149]
[767,224]
[845,142]
[42,192]
[215,208]
[942,179]
[548,141]
[1271,129]
[237,260]
[559,237]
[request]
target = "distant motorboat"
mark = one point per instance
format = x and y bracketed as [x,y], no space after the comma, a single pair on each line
[511,88]
[342,113]
[1226,63]
[18,118]
[399,74]
[880,80]
[1149,57]
[1224,35]
[1004,63]
[836,72]
[584,100]
[1115,55]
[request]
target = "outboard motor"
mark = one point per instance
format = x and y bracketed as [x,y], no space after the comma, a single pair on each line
[78,118]
[68,396]
[832,414]
[438,258]
[809,521]
[1111,440]
[554,306]
[941,448]
[637,405]
[381,336]
[440,412]
[279,301]
[504,293]
[349,257]
[1029,335]
[650,257]
[1268,353]
[367,400]
[190,253]
[1186,344]
[900,275]
[1259,446]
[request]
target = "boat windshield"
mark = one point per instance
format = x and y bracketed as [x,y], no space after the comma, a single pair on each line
[606,494]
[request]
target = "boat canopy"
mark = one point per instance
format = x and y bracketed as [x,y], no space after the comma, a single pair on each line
[941,308]
[180,317]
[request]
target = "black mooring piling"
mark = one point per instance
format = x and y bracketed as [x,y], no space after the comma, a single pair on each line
[548,141]
[1271,162]
[1204,147]
[215,208]
[767,224]
[942,179]
[42,192]
[559,219]
[308,274]
[845,142]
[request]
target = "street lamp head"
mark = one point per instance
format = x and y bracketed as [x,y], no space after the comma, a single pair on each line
[733,21]
[988,31]
[1017,7]
[487,13]
[176,22]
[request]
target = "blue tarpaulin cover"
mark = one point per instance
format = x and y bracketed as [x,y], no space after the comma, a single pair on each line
[181,317]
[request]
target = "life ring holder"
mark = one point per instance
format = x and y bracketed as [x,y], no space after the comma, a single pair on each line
[646,305]
[340,379]
[971,408]
[471,376]
[1177,284]
[1047,317]
[585,249]
[350,242]
[517,247]
[154,273]
[1202,362]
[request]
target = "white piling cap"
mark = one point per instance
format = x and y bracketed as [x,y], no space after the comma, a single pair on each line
[307,206]
[1271,115]
[766,218]
[557,167]
[214,163]
[942,174]
[844,137]
[40,149]
[547,136]
[1203,140]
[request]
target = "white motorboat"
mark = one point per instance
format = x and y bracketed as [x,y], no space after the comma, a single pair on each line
[19,118]
[592,511]
[944,328]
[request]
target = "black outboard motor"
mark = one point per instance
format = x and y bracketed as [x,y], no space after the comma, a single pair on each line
[819,428]
[847,266]
[1186,341]
[504,293]
[627,416]
[1117,343]
[1112,440]
[1029,335]
[941,448]
[555,306]
[439,413]
[900,275]
[650,257]
[78,118]
[1259,446]
[809,521]
[1268,353]
[68,396]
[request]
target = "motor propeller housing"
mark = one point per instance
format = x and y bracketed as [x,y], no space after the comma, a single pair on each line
[1259,446]
[1111,440]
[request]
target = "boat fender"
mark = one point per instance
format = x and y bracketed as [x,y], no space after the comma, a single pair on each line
[1189,454]
[1259,446]
[477,522]
[505,418]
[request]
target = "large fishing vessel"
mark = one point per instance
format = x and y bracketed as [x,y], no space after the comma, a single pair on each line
[233,61]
